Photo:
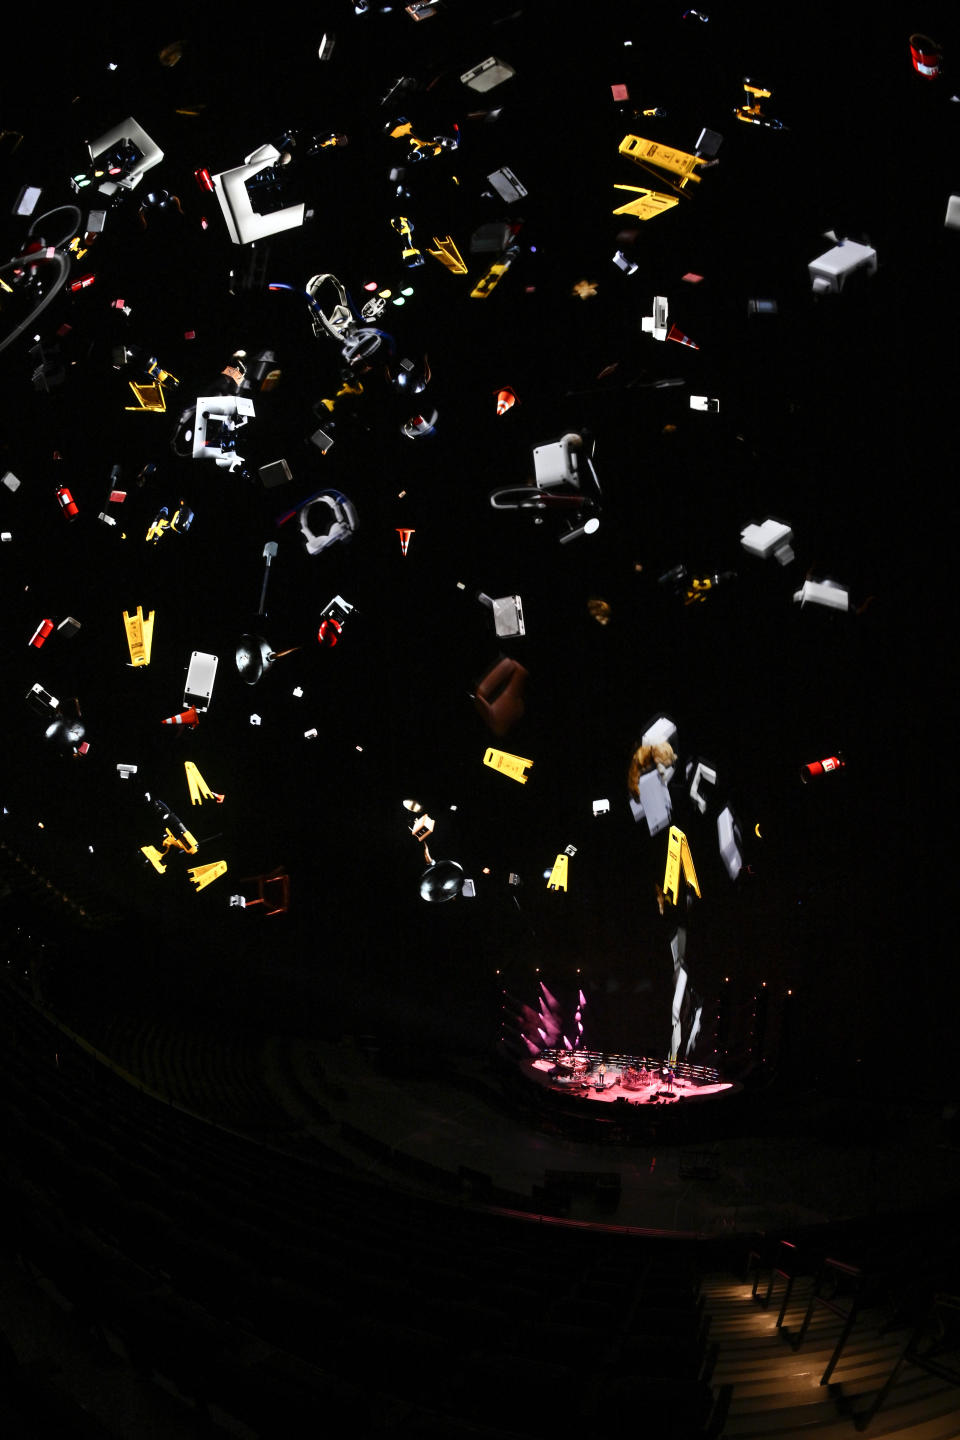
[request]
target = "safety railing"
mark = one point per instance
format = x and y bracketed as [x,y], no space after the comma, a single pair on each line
[783,1269]
[934,1347]
[829,1282]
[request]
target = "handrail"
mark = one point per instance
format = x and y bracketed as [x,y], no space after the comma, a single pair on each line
[847,1313]
[910,1353]
[754,1256]
[780,1271]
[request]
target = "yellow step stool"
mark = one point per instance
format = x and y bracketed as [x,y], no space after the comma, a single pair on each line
[204,875]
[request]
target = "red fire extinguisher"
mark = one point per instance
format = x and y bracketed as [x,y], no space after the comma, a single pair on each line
[926,57]
[821,767]
[67,503]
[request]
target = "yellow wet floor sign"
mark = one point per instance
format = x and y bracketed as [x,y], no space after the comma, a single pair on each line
[139,635]
[558,875]
[512,765]
[678,853]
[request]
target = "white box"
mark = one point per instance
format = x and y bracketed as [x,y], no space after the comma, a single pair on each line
[771,538]
[278,472]
[27,200]
[661,732]
[823,592]
[829,271]
[655,804]
[554,464]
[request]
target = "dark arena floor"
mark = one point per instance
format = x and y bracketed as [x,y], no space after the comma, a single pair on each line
[808,963]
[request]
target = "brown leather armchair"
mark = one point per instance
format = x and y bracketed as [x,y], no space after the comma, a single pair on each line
[499,695]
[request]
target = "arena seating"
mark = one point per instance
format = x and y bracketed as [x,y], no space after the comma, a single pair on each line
[227,1282]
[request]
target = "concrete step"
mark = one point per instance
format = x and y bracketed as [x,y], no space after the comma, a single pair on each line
[785,1383]
[860,1391]
[776,1390]
[934,1417]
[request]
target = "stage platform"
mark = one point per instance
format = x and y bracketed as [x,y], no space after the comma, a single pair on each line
[635,1079]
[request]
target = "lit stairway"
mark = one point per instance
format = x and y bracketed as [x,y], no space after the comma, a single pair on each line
[777,1393]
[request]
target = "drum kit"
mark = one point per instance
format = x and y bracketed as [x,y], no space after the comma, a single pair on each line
[572,1070]
[639,1077]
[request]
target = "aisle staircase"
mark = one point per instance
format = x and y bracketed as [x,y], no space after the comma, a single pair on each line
[796,1375]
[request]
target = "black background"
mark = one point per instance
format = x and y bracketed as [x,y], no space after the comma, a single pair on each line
[835,415]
